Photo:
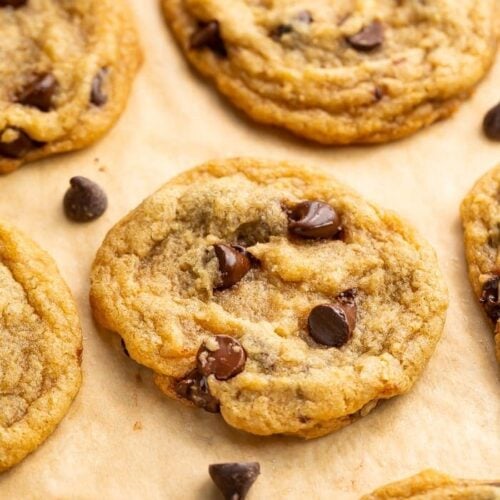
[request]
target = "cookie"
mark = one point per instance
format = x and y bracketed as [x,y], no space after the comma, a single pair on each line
[66,70]
[481,221]
[433,485]
[339,72]
[272,293]
[40,347]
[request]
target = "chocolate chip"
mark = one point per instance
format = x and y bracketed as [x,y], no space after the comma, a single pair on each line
[234,479]
[304,16]
[234,263]
[97,95]
[39,92]
[313,219]
[20,146]
[208,36]
[491,123]
[369,38]
[378,93]
[282,29]
[332,324]
[221,356]
[194,387]
[489,298]
[13,3]
[84,201]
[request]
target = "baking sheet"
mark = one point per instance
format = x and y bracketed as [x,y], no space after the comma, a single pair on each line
[123,439]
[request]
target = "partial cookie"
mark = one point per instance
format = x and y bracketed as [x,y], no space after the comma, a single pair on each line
[481,221]
[433,485]
[271,293]
[66,70]
[339,72]
[40,347]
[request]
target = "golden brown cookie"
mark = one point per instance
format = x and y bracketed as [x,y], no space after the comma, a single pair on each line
[339,72]
[40,347]
[481,221]
[272,293]
[66,70]
[433,485]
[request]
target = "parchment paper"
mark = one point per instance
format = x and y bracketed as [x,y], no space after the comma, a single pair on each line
[123,440]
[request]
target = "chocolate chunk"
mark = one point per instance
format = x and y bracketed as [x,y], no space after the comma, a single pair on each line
[369,38]
[20,146]
[97,95]
[304,16]
[282,29]
[208,36]
[332,324]
[314,219]
[13,3]
[194,387]
[491,123]
[39,92]
[489,298]
[221,356]
[234,479]
[84,201]
[234,263]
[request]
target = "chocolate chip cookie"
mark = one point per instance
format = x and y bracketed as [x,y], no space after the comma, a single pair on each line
[433,485]
[272,294]
[40,347]
[339,72]
[66,69]
[481,221]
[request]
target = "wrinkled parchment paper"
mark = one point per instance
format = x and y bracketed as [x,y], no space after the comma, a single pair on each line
[123,440]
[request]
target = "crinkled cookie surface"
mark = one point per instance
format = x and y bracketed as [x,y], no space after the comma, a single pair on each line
[339,72]
[40,347]
[214,255]
[66,70]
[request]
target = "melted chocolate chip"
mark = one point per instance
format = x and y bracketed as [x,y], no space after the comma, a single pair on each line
[234,480]
[332,324]
[97,95]
[194,387]
[84,201]
[282,29]
[490,296]
[19,147]
[208,36]
[39,92]
[491,123]
[234,263]
[369,38]
[225,361]
[13,3]
[313,219]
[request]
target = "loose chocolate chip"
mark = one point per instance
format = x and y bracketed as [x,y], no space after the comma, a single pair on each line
[39,92]
[491,123]
[282,29]
[97,95]
[304,16]
[314,219]
[369,38]
[84,201]
[221,356]
[332,324]
[208,36]
[13,3]
[489,298]
[194,387]
[234,479]
[234,263]
[19,147]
